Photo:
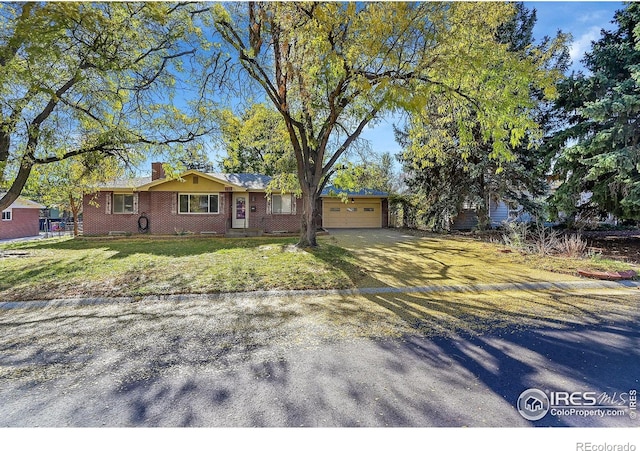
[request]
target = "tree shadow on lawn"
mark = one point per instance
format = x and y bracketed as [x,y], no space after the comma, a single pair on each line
[430,261]
[41,278]
[166,247]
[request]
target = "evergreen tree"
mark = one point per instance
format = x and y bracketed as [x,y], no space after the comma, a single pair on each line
[598,151]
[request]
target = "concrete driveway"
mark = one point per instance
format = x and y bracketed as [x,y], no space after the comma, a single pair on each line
[332,360]
[395,259]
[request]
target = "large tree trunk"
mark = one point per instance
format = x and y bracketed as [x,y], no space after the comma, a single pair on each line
[309,226]
[483,209]
[16,187]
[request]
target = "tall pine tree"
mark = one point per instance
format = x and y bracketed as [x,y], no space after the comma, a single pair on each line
[598,152]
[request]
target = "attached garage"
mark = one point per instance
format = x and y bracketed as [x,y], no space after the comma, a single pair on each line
[357,213]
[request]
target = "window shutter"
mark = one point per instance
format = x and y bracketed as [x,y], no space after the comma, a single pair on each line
[221,197]
[269,205]
[107,203]
[135,203]
[294,204]
[174,204]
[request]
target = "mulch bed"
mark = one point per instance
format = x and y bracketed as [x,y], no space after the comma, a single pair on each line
[616,244]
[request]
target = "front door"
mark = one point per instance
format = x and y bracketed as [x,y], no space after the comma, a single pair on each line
[240,211]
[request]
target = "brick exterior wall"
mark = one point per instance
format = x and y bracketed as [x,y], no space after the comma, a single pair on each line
[24,222]
[273,223]
[159,207]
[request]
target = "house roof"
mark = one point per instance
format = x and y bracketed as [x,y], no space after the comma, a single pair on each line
[134,182]
[23,202]
[246,181]
[249,182]
[333,191]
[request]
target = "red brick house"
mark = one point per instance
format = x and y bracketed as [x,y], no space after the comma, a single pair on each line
[21,219]
[206,203]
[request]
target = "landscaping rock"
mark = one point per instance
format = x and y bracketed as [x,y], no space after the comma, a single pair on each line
[607,275]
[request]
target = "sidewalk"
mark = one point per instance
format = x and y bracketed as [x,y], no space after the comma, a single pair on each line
[622,287]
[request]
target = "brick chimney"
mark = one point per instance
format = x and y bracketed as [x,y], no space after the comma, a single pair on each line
[157,172]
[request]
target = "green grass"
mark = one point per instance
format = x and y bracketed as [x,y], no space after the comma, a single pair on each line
[82,267]
[142,266]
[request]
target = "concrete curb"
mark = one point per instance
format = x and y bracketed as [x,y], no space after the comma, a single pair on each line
[528,286]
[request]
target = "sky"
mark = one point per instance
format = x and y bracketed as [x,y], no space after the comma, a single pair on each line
[583,20]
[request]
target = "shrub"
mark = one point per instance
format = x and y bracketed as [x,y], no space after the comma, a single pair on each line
[545,240]
[572,245]
[516,235]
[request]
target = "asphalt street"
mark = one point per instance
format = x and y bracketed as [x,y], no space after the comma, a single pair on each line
[247,362]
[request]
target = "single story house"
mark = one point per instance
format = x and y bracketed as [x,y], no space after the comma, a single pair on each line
[21,219]
[207,203]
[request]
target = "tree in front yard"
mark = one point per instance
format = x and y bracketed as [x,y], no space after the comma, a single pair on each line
[369,171]
[63,184]
[332,68]
[79,78]
[257,142]
[447,170]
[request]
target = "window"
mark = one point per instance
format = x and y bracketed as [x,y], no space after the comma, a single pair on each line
[123,203]
[198,203]
[369,209]
[352,209]
[281,204]
[334,209]
[6,215]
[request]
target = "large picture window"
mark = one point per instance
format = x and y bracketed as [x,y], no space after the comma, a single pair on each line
[123,203]
[198,203]
[281,204]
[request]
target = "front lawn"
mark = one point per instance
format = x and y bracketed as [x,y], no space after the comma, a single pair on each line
[136,266]
[66,267]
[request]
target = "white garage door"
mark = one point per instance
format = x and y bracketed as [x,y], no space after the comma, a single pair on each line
[361,213]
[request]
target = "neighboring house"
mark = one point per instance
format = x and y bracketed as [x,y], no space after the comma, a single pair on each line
[21,219]
[205,203]
[500,211]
